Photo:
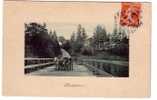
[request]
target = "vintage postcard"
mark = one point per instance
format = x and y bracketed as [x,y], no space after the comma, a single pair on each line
[93,48]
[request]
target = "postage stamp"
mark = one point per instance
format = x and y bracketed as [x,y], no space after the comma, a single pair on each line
[130,14]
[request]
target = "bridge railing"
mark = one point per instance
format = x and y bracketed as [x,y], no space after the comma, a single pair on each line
[33,64]
[32,61]
[115,68]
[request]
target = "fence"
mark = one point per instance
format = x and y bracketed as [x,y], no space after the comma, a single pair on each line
[33,64]
[32,61]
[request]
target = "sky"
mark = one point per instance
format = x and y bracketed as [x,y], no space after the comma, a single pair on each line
[64,17]
[68,28]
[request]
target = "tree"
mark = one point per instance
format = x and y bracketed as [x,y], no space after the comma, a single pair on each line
[79,43]
[38,42]
[50,33]
[100,33]
[44,25]
[100,36]
[78,39]
[54,35]
[72,39]
[84,35]
[67,46]
[61,39]
[79,33]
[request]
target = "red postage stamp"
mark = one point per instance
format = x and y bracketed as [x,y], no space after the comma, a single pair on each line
[130,14]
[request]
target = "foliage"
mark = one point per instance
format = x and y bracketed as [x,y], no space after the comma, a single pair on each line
[41,43]
[78,39]
[38,43]
[100,34]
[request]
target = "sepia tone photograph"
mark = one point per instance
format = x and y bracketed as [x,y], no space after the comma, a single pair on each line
[77,49]
[81,46]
